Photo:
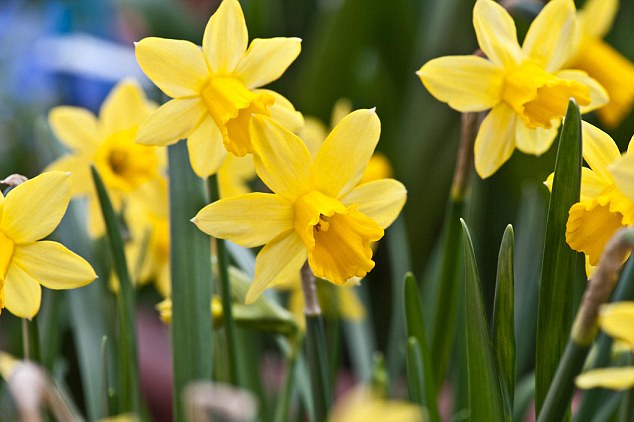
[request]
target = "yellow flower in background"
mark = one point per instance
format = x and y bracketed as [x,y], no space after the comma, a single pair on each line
[108,143]
[316,210]
[523,87]
[30,212]
[314,132]
[617,320]
[602,62]
[234,175]
[214,89]
[361,404]
[603,207]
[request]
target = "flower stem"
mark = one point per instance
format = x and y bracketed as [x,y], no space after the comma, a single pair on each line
[30,340]
[225,292]
[316,347]
[284,400]
[585,326]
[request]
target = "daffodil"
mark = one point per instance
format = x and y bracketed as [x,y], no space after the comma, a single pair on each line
[107,142]
[362,404]
[617,320]
[524,88]
[316,210]
[602,62]
[30,212]
[603,207]
[214,89]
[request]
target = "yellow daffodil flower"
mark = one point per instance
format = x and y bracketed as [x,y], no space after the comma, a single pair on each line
[234,175]
[316,210]
[602,62]
[214,89]
[30,212]
[361,404]
[617,320]
[603,207]
[108,143]
[523,87]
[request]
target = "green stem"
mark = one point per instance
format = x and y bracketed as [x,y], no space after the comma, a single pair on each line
[191,278]
[562,387]
[284,400]
[130,398]
[30,340]
[225,292]
[316,348]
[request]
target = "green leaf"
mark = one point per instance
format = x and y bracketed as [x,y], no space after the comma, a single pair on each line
[447,292]
[419,361]
[486,401]
[191,278]
[415,378]
[503,320]
[555,309]
[129,387]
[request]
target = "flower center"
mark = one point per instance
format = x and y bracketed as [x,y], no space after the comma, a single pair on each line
[6,255]
[337,237]
[540,97]
[231,104]
[124,165]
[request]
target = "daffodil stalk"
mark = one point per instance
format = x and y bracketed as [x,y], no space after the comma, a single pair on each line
[316,346]
[225,292]
[448,291]
[30,340]
[284,400]
[585,327]
[130,399]
[191,278]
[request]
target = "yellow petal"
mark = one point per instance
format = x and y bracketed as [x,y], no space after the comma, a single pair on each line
[234,175]
[612,378]
[96,225]
[34,208]
[599,150]
[535,141]
[590,225]
[598,95]
[283,112]
[75,127]
[78,167]
[281,158]
[124,108]
[466,83]
[597,17]
[313,134]
[351,307]
[206,150]
[226,37]
[22,293]
[53,265]
[549,40]
[496,33]
[614,72]
[622,170]
[267,59]
[249,220]
[381,200]
[177,67]
[495,141]
[277,262]
[173,121]
[591,184]
[344,155]
[617,320]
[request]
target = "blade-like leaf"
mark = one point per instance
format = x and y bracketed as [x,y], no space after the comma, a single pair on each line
[486,401]
[418,354]
[191,278]
[555,309]
[129,384]
[503,320]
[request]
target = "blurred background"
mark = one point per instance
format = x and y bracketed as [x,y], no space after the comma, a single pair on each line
[72,52]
